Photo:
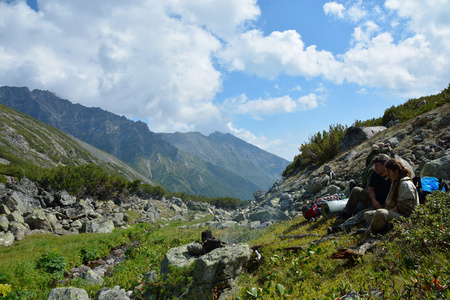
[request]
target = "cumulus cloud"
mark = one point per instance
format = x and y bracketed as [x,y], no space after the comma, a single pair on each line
[279,52]
[334,9]
[271,106]
[150,59]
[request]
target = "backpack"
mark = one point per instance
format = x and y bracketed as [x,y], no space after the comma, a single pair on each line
[426,185]
[312,209]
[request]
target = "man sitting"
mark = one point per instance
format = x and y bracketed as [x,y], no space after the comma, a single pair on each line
[373,198]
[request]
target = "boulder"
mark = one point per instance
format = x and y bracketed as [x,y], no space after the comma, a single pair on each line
[439,168]
[100,225]
[218,269]
[64,199]
[15,216]
[266,213]
[6,239]
[38,220]
[68,293]
[19,201]
[355,135]
[111,294]
[19,230]
[26,186]
[92,278]
[4,223]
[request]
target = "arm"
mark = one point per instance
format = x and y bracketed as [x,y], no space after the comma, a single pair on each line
[407,198]
[373,200]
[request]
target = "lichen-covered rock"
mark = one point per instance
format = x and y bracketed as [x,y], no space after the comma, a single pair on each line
[101,225]
[6,239]
[68,293]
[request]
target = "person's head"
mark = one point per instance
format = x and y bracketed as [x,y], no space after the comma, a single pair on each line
[396,170]
[378,164]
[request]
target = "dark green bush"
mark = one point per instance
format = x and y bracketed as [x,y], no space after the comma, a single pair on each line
[90,253]
[320,148]
[53,263]
[428,228]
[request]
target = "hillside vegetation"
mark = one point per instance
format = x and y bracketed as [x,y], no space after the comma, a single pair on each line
[323,146]
[412,262]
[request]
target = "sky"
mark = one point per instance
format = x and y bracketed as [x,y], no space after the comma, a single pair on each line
[271,72]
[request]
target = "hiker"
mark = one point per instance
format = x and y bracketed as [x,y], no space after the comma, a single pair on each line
[401,200]
[373,198]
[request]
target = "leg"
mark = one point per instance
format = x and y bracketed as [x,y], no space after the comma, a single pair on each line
[353,221]
[379,218]
[358,195]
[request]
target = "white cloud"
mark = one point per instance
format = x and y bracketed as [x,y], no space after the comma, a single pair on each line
[279,52]
[271,106]
[334,8]
[150,59]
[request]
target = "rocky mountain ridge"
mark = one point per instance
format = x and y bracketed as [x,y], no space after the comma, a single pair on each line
[177,169]
[23,138]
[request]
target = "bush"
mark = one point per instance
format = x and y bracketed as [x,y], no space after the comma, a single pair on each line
[90,253]
[53,263]
[320,148]
[428,229]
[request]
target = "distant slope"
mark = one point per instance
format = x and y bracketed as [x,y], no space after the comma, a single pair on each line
[135,144]
[231,153]
[23,138]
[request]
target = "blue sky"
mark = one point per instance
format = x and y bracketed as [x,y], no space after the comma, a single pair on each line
[270,72]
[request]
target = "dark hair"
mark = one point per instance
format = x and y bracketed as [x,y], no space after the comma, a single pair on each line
[395,165]
[382,159]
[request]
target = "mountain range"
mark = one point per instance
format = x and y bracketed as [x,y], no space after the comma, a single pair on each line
[218,165]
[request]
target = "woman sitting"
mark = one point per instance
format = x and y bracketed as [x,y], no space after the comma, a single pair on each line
[401,200]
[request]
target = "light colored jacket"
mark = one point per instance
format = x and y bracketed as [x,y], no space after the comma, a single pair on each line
[408,198]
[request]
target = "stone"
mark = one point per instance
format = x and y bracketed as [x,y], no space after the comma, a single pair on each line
[101,225]
[38,220]
[19,230]
[92,278]
[268,214]
[355,135]
[6,239]
[195,248]
[218,269]
[68,293]
[64,199]
[19,201]
[439,168]
[4,223]
[111,294]
[15,216]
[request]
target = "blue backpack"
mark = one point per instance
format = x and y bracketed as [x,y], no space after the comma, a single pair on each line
[427,185]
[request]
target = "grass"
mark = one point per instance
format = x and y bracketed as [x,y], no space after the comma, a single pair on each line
[412,262]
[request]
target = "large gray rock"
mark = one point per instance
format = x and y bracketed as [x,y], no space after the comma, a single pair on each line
[68,293]
[38,220]
[27,186]
[111,294]
[218,269]
[4,223]
[267,213]
[19,230]
[19,201]
[64,199]
[92,278]
[439,168]
[100,225]
[356,135]
[6,239]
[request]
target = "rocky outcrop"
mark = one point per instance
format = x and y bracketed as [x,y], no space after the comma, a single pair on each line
[423,145]
[217,270]
[355,135]
[68,293]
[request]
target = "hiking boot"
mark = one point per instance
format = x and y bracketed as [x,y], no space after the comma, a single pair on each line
[334,229]
[344,217]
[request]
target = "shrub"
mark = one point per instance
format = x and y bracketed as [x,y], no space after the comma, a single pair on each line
[53,263]
[90,253]
[320,148]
